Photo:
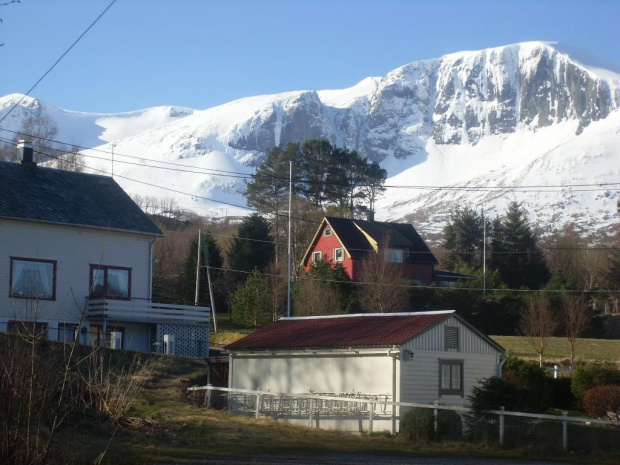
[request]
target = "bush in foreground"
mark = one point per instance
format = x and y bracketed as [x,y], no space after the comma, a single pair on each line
[603,402]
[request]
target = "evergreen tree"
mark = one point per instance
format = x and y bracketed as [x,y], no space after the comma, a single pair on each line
[515,252]
[187,281]
[463,240]
[250,305]
[253,247]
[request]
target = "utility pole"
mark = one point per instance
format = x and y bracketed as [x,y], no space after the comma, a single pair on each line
[210,283]
[197,271]
[484,253]
[290,207]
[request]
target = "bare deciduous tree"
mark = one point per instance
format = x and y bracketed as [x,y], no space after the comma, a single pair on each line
[383,290]
[314,297]
[538,323]
[40,130]
[577,318]
[71,161]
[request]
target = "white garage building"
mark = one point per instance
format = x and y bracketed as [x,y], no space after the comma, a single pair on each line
[417,357]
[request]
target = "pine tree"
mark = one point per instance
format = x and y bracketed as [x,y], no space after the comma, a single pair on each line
[515,252]
[250,305]
[253,247]
[463,238]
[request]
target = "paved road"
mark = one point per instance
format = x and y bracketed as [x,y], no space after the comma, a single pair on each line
[352,458]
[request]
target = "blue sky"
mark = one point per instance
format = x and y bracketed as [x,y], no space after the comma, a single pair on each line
[202,53]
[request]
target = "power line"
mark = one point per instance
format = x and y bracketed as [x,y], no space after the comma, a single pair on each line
[232,204]
[58,61]
[539,188]
[418,286]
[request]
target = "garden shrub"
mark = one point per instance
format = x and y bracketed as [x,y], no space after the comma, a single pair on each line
[419,425]
[495,392]
[585,378]
[603,402]
[536,394]
[563,397]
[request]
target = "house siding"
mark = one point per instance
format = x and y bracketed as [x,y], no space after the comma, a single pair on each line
[74,249]
[420,376]
[369,374]
[327,244]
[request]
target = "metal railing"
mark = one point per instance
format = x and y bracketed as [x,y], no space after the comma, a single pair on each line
[143,310]
[507,429]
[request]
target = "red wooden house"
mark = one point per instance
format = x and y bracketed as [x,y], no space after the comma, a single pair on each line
[349,241]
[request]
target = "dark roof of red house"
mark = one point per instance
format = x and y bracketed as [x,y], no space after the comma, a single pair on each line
[387,235]
[343,331]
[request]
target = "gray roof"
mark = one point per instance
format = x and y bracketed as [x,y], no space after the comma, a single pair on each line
[65,197]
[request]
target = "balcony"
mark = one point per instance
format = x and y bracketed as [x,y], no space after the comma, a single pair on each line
[145,311]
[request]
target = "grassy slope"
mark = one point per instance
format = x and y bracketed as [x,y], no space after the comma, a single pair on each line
[588,350]
[166,425]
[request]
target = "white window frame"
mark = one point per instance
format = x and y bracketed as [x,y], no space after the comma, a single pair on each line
[338,251]
[327,232]
[393,255]
[317,256]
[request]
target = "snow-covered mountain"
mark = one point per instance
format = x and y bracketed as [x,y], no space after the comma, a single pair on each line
[503,119]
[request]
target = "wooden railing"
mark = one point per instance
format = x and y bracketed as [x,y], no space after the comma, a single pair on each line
[143,310]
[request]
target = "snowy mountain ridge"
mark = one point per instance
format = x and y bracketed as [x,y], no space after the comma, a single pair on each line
[532,113]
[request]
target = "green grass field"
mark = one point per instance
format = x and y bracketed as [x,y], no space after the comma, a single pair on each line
[558,351]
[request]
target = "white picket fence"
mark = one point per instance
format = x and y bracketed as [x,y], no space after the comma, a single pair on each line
[374,407]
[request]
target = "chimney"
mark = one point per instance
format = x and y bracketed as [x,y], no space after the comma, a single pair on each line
[27,153]
[370,215]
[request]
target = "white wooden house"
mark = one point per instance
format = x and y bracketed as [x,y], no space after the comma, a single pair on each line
[417,357]
[76,262]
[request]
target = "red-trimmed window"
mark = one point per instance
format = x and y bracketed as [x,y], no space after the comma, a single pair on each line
[33,278]
[110,282]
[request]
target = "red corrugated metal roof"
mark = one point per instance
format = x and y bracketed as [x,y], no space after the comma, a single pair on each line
[344,331]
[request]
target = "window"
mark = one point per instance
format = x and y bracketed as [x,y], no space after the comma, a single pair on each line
[393,255]
[110,282]
[339,255]
[67,332]
[28,328]
[451,338]
[451,377]
[33,279]
[317,256]
[327,232]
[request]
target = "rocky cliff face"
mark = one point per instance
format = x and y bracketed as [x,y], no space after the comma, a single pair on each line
[463,97]
[457,99]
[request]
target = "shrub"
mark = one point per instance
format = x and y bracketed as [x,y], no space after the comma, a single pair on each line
[603,402]
[419,424]
[537,391]
[493,393]
[585,378]
[563,397]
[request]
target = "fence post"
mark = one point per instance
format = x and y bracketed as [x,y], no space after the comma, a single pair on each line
[257,404]
[501,426]
[564,431]
[371,414]
[208,395]
[310,409]
[436,415]
[555,371]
